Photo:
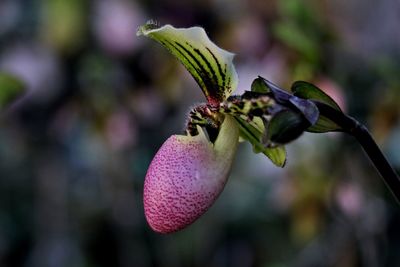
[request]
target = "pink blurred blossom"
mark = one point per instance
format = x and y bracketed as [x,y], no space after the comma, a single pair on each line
[115,24]
[120,130]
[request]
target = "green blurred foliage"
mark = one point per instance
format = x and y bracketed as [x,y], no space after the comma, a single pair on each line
[10,89]
[64,23]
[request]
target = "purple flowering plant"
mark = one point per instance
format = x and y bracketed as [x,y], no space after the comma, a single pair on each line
[189,171]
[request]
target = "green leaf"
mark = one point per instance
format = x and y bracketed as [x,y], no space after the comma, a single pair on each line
[210,66]
[324,125]
[253,133]
[10,89]
[284,127]
[259,86]
[309,91]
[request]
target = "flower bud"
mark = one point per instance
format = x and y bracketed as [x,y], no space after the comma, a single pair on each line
[186,176]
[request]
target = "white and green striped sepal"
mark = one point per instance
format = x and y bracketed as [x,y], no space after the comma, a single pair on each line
[210,66]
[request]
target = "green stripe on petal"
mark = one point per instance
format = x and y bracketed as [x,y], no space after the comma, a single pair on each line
[210,66]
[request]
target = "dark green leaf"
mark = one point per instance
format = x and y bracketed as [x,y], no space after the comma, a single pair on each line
[309,91]
[324,125]
[253,134]
[284,127]
[10,89]
[259,86]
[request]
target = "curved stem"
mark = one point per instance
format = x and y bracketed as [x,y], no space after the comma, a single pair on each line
[360,132]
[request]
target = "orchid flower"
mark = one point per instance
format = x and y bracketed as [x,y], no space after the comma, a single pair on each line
[189,171]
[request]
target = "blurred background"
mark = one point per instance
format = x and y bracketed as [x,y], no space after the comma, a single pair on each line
[75,149]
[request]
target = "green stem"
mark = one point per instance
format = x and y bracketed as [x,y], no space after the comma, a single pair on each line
[360,132]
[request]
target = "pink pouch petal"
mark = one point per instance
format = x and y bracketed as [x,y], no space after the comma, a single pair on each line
[186,176]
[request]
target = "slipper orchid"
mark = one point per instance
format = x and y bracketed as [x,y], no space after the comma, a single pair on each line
[189,171]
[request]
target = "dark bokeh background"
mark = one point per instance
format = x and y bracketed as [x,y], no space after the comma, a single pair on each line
[100,102]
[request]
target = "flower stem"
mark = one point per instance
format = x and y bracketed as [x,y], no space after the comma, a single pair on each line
[360,132]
